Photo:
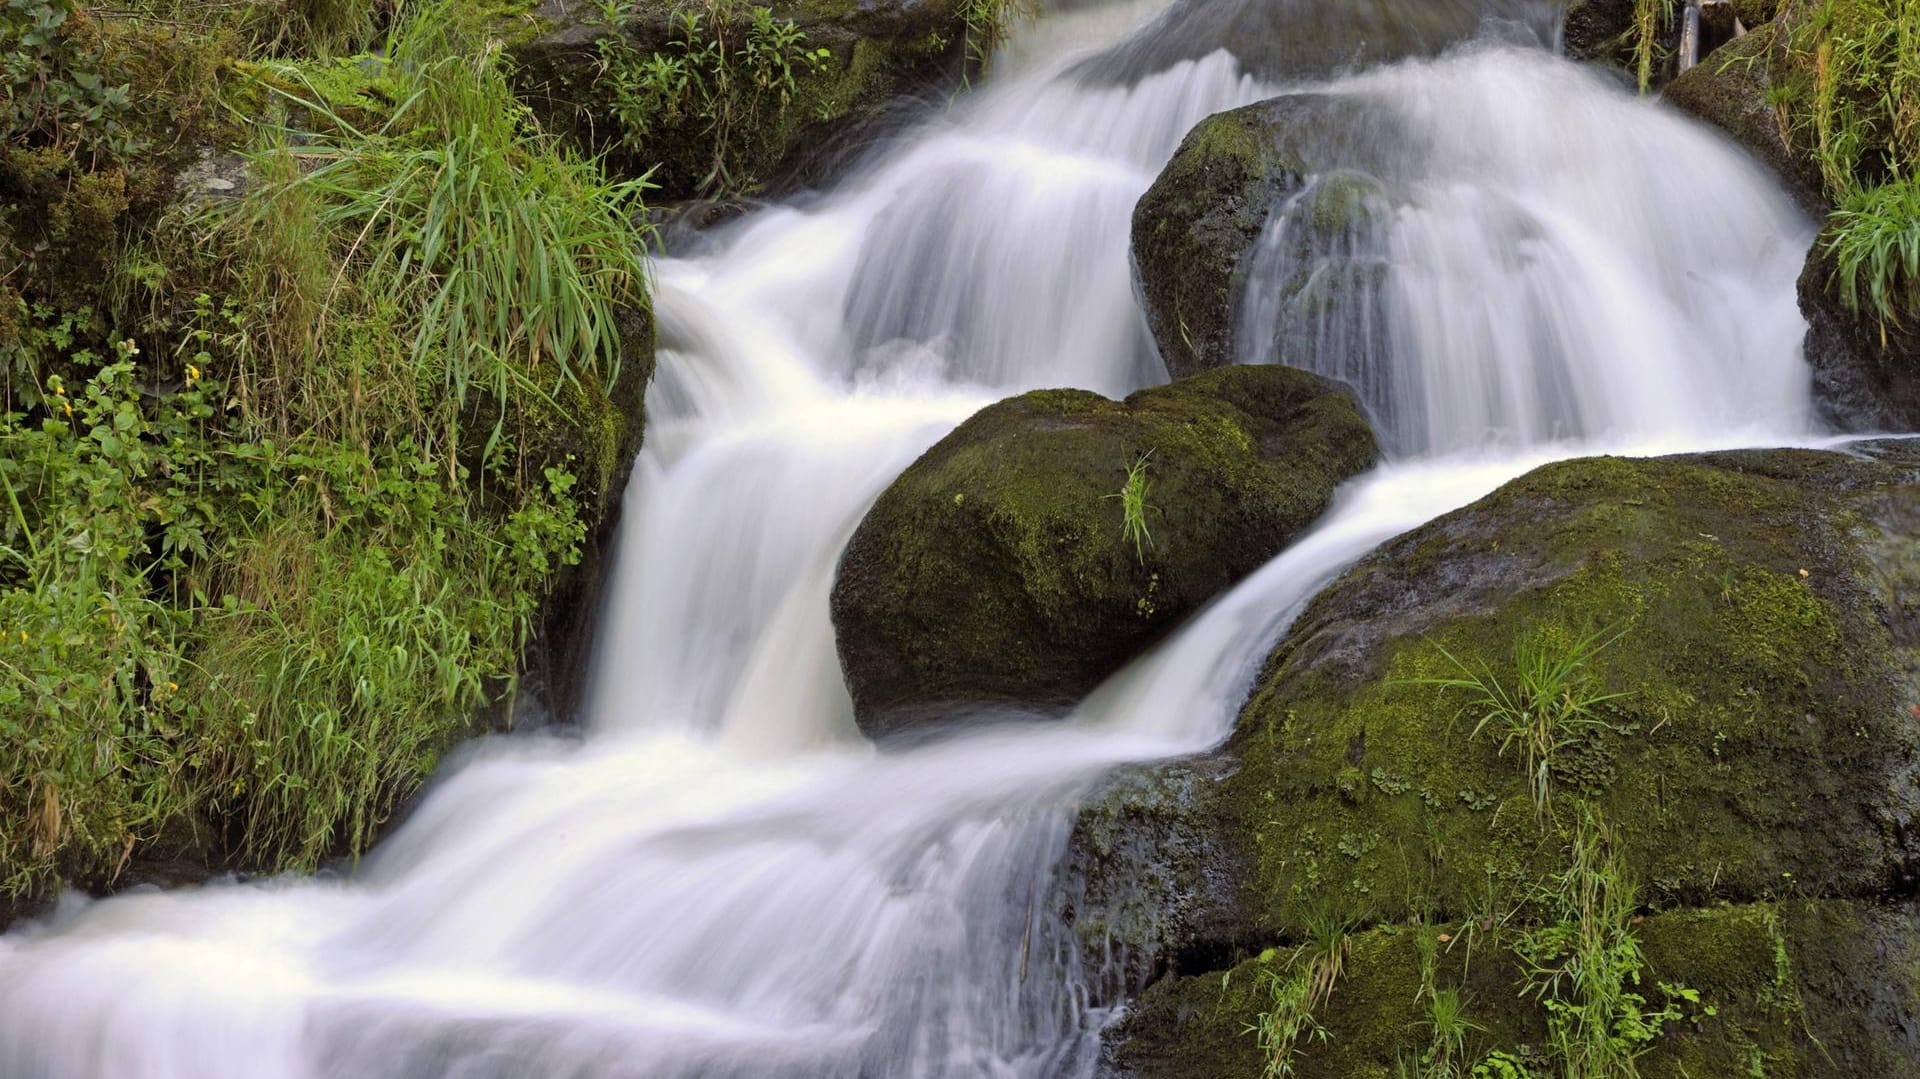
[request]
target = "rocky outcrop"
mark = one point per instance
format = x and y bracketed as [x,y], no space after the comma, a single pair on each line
[999,568]
[1866,375]
[1747,628]
[852,64]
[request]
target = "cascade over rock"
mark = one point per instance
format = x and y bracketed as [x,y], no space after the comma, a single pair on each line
[1754,611]
[1196,228]
[995,569]
[1865,379]
[1729,91]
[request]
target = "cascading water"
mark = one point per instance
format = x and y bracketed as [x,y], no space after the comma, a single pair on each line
[722,879]
[1508,253]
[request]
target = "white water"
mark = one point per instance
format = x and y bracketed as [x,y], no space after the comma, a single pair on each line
[722,878]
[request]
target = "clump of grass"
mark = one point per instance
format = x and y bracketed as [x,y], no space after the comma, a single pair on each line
[1548,703]
[1856,66]
[1287,1020]
[1132,497]
[1875,243]
[1299,990]
[445,227]
[1648,18]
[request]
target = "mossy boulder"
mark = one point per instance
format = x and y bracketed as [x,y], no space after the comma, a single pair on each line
[1754,612]
[1196,229]
[995,569]
[854,63]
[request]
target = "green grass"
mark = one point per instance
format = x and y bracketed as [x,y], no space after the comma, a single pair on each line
[1545,705]
[1585,965]
[1288,1019]
[1132,497]
[1875,243]
[1851,86]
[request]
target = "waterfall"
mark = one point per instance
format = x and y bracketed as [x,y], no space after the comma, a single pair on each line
[719,877]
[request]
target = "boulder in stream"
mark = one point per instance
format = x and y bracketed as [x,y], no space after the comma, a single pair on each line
[1195,229]
[1742,782]
[998,567]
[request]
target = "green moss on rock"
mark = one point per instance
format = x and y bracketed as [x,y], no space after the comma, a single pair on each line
[996,569]
[1761,746]
[1787,988]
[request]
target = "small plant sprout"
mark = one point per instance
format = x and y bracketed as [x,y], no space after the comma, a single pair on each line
[1133,507]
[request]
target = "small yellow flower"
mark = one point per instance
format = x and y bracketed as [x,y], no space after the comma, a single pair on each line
[59,391]
[173,687]
[68,406]
[193,374]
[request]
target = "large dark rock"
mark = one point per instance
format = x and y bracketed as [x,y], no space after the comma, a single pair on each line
[1761,613]
[995,568]
[880,55]
[1196,229]
[1866,375]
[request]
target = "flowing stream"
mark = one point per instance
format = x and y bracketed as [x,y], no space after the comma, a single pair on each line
[720,877]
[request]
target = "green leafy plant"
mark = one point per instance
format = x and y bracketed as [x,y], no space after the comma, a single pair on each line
[1585,964]
[729,69]
[55,96]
